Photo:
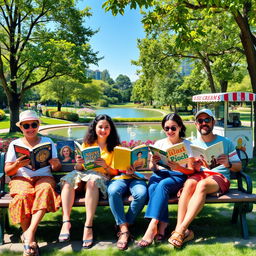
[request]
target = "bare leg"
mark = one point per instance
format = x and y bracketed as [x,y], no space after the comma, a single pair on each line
[187,192]
[161,227]
[91,202]
[150,233]
[25,224]
[123,236]
[67,199]
[196,203]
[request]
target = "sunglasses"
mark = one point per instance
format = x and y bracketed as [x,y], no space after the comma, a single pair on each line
[27,126]
[206,120]
[173,128]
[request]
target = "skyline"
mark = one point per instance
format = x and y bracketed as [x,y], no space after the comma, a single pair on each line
[116,40]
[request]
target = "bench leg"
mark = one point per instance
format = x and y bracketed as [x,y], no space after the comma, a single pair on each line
[240,209]
[3,212]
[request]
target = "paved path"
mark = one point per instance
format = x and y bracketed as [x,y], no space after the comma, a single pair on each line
[76,245]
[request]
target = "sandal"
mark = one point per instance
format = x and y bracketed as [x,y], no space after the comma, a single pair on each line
[35,248]
[64,237]
[90,241]
[28,249]
[144,243]
[176,237]
[120,244]
[159,238]
[189,235]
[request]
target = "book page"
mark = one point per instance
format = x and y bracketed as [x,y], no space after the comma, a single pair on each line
[41,156]
[162,154]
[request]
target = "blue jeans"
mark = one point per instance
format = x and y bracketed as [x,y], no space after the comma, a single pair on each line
[162,184]
[117,189]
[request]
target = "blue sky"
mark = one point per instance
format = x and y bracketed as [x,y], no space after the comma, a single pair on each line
[116,40]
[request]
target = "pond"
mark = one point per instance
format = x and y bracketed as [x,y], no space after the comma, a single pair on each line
[128,112]
[129,132]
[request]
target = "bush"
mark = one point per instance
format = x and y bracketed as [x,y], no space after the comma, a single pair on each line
[2,115]
[86,112]
[103,103]
[62,115]
[4,143]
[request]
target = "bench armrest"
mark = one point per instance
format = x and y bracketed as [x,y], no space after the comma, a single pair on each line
[244,179]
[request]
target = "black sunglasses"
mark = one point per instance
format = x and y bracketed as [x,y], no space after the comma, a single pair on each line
[173,128]
[33,125]
[206,120]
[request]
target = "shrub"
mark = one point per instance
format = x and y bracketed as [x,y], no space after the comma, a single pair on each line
[62,115]
[2,115]
[86,112]
[103,103]
[4,143]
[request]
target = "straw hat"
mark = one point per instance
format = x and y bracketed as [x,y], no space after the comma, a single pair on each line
[27,115]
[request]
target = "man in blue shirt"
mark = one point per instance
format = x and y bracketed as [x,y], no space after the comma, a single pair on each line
[204,181]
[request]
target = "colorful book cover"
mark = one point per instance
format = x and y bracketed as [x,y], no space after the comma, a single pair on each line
[176,153]
[39,155]
[66,152]
[125,157]
[89,154]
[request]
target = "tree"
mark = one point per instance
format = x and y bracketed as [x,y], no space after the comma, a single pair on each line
[105,76]
[40,40]
[180,12]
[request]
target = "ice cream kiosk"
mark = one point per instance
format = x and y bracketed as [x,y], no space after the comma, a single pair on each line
[229,120]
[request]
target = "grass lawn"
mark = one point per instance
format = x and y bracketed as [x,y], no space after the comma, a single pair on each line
[213,229]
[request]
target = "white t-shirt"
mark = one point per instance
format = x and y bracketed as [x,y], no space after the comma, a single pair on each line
[164,144]
[26,172]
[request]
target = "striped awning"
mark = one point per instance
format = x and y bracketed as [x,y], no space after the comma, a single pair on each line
[225,96]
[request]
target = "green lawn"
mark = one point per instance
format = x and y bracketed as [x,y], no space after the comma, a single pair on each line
[213,229]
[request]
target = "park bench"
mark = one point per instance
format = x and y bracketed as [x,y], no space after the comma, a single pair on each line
[240,194]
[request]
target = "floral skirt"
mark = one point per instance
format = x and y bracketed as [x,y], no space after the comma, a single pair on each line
[31,195]
[75,177]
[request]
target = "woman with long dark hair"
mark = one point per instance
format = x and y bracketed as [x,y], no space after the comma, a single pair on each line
[165,181]
[101,132]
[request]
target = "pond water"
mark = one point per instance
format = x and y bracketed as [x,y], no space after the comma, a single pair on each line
[141,132]
[128,112]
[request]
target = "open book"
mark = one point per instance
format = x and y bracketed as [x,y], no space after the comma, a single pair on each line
[125,157]
[176,153]
[89,154]
[208,155]
[39,155]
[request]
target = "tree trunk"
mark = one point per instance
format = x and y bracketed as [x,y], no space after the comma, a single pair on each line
[14,106]
[250,54]
[59,106]
[223,85]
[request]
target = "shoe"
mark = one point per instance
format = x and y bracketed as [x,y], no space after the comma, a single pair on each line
[28,249]
[144,243]
[35,248]
[181,238]
[120,244]
[90,241]
[64,237]
[159,238]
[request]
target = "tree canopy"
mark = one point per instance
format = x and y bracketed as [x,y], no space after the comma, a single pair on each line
[40,40]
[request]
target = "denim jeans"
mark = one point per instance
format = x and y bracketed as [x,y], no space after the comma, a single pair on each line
[162,184]
[117,189]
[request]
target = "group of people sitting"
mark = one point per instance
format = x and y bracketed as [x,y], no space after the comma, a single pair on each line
[34,192]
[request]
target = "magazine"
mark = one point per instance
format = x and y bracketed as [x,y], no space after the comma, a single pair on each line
[39,155]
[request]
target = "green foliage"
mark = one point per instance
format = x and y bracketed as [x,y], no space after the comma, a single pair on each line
[64,115]
[103,103]
[2,115]
[40,40]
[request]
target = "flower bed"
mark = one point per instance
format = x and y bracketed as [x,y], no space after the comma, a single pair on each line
[4,144]
[135,143]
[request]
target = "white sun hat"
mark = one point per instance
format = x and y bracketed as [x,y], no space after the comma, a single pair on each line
[27,115]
